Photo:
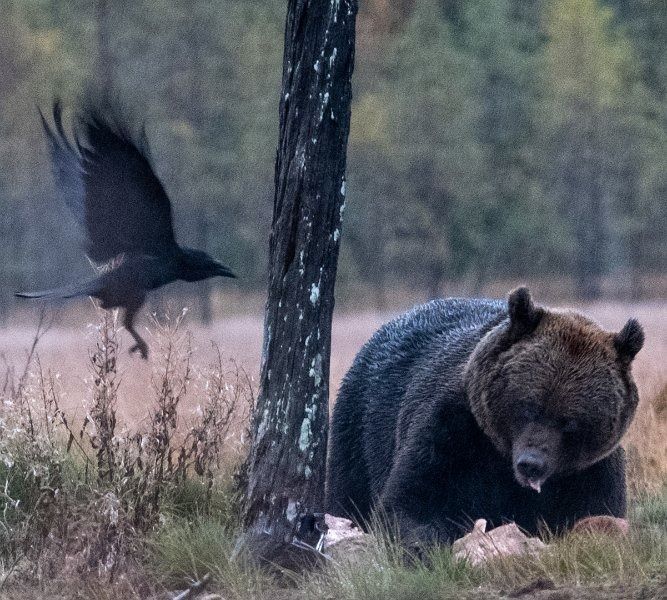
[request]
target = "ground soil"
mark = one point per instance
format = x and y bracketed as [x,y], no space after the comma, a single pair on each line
[656,590]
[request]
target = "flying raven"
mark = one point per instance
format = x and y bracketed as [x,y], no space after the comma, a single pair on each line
[108,182]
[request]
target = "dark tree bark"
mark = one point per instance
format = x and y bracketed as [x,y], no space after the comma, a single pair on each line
[287,460]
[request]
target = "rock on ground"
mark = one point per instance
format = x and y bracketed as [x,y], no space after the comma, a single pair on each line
[480,546]
[343,538]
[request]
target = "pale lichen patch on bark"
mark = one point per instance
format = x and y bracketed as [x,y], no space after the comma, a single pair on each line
[314,293]
[263,424]
[332,58]
[305,434]
[292,510]
[316,369]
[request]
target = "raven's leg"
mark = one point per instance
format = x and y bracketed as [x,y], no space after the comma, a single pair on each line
[128,320]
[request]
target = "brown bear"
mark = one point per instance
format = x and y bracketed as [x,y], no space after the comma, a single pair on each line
[479,409]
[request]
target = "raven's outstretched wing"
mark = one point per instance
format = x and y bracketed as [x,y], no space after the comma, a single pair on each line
[110,186]
[66,166]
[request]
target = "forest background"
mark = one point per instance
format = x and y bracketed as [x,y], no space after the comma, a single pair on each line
[492,141]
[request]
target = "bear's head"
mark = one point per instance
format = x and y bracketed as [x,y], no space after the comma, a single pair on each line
[551,389]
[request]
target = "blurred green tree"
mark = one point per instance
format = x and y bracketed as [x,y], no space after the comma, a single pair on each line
[515,220]
[438,162]
[592,112]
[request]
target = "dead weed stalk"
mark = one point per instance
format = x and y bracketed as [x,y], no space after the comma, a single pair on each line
[107,483]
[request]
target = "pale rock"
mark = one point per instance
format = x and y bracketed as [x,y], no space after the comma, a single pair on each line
[343,539]
[480,546]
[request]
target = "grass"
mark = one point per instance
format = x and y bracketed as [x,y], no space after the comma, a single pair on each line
[574,560]
[651,510]
[383,573]
[193,497]
[184,549]
[584,559]
[84,496]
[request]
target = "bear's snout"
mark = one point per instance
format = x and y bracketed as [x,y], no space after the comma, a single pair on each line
[535,454]
[531,468]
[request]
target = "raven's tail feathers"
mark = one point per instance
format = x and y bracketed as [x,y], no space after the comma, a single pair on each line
[83,288]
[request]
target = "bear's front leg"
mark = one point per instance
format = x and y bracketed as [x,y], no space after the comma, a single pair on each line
[412,499]
[413,525]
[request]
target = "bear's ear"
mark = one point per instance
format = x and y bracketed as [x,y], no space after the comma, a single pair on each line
[629,340]
[524,316]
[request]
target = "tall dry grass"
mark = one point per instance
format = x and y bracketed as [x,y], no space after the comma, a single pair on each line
[81,490]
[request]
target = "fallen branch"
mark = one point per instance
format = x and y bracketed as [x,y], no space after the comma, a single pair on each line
[195,588]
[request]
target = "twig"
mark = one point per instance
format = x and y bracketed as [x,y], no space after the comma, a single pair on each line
[42,329]
[196,587]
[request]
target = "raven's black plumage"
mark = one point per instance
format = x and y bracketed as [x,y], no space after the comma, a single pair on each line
[108,182]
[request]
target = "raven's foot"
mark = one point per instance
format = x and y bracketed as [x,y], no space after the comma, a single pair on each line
[142,347]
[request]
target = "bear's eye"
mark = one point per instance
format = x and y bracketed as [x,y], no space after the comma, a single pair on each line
[570,426]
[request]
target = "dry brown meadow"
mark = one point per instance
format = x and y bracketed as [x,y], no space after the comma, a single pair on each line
[64,349]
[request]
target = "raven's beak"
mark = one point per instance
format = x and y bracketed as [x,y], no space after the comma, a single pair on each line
[223,271]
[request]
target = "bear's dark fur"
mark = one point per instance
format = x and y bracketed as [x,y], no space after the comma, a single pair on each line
[466,409]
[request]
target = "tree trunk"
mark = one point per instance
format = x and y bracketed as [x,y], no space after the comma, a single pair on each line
[104,53]
[196,109]
[286,465]
[592,235]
